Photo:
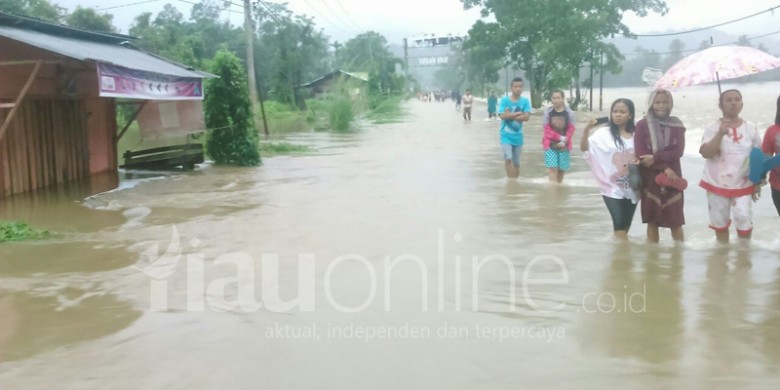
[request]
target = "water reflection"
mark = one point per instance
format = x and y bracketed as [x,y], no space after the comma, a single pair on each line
[769,338]
[32,324]
[60,257]
[725,302]
[637,312]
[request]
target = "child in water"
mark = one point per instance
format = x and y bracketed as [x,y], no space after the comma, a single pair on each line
[557,145]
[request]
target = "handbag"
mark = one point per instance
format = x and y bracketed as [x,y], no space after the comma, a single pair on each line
[634,177]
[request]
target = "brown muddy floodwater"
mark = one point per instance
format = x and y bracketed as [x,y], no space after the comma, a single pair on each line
[397,257]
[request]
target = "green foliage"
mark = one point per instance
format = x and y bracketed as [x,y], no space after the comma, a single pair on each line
[41,9]
[271,148]
[192,42]
[482,56]
[341,114]
[388,111]
[88,19]
[282,118]
[293,52]
[369,52]
[675,54]
[536,35]
[228,111]
[19,231]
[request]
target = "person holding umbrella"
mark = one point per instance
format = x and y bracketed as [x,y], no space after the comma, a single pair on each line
[660,143]
[726,145]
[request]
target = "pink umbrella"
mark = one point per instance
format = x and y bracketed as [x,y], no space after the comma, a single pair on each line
[715,64]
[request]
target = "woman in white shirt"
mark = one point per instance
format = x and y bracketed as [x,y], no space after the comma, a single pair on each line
[610,152]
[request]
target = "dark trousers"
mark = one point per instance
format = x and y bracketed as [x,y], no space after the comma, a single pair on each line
[622,212]
[776,199]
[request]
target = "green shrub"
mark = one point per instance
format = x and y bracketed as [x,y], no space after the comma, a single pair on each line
[387,110]
[233,138]
[283,118]
[20,231]
[341,115]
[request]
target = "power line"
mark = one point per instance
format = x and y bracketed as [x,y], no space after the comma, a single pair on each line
[125,5]
[705,28]
[695,50]
[336,15]
[326,19]
[347,13]
[270,11]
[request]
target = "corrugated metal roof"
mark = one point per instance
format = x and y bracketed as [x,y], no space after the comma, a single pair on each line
[84,50]
[358,75]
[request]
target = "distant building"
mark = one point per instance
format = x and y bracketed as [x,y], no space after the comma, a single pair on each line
[429,53]
[352,83]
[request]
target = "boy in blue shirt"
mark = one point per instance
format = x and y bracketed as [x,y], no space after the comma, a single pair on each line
[514,110]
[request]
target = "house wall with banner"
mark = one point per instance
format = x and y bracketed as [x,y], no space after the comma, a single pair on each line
[62,131]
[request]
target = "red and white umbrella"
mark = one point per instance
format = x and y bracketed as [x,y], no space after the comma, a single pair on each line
[715,64]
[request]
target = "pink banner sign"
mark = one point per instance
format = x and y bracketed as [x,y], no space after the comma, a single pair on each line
[118,82]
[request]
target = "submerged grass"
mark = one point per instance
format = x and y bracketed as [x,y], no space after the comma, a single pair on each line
[341,114]
[273,148]
[388,110]
[20,231]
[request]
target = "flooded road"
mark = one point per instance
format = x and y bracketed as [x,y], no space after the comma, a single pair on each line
[398,257]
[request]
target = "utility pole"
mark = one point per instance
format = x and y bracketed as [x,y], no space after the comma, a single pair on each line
[506,76]
[590,99]
[406,56]
[250,50]
[250,63]
[601,81]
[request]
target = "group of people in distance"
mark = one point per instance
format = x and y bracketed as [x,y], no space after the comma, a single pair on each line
[635,161]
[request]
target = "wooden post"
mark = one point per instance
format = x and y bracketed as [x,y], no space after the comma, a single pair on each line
[254,94]
[19,99]
[601,80]
[132,118]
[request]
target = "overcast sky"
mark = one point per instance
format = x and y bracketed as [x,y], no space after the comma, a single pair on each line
[342,19]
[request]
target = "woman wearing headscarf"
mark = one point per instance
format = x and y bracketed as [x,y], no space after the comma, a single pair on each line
[659,144]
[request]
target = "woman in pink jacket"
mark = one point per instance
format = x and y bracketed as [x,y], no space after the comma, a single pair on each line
[558,130]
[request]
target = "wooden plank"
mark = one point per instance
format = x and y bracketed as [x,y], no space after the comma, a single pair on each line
[79,139]
[111,128]
[19,99]
[68,141]
[59,120]
[29,132]
[84,138]
[16,146]
[76,126]
[7,105]
[132,118]
[3,165]
[21,158]
[52,145]
[30,129]
[71,141]
[164,149]
[162,157]
[38,136]
[27,62]
[45,143]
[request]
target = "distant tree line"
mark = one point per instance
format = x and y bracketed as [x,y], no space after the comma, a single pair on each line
[290,50]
